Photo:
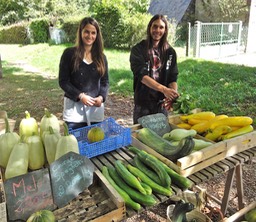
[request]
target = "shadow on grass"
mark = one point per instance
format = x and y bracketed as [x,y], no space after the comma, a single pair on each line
[21,91]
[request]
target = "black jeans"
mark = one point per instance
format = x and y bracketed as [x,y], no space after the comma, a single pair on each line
[140,111]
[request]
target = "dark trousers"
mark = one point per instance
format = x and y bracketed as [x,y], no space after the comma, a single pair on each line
[72,125]
[140,111]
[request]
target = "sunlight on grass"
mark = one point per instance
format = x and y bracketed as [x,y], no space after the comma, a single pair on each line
[221,88]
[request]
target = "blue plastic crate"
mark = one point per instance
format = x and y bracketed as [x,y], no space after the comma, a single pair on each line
[116,137]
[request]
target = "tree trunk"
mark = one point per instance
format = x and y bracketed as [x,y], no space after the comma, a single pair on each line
[1,70]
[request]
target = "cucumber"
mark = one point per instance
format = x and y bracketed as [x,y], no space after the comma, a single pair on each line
[146,187]
[165,179]
[143,177]
[128,177]
[164,147]
[128,201]
[150,173]
[176,178]
[146,200]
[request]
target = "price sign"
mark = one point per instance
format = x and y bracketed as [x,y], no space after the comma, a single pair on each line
[70,175]
[28,193]
[157,122]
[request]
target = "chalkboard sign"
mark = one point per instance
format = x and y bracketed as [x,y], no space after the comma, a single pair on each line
[157,122]
[28,193]
[70,175]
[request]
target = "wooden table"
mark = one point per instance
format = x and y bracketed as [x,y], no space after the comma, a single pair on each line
[231,165]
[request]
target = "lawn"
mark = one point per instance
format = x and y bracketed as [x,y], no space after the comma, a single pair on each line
[221,88]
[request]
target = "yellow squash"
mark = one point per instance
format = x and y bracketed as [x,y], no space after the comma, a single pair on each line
[205,115]
[239,132]
[232,121]
[204,126]
[217,132]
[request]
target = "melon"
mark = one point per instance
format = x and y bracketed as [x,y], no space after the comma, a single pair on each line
[95,134]
[42,216]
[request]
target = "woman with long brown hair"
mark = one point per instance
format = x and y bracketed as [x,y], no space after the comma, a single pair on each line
[83,76]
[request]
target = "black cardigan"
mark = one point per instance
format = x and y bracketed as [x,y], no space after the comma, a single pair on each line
[144,95]
[86,79]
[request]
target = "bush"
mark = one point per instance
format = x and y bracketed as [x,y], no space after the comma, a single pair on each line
[14,34]
[39,31]
[70,28]
[112,27]
[136,28]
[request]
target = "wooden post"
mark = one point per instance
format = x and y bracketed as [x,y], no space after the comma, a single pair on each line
[1,71]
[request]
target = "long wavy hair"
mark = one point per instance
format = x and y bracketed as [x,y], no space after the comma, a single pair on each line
[97,47]
[163,44]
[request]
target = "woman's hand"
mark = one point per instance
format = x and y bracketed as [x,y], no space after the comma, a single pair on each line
[86,99]
[98,101]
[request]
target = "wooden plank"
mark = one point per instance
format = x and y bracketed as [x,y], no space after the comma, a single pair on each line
[202,155]
[194,179]
[99,200]
[239,186]
[238,215]
[224,166]
[212,171]
[228,185]
[208,175]
[240,143]
[201,165]
[201,176]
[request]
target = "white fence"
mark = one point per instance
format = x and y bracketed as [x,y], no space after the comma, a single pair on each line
[215,40]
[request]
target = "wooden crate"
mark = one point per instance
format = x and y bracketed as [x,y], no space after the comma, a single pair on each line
[99,203]
[3,213]
[199,160]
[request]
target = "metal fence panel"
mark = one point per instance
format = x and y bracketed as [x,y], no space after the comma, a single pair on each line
[215,40]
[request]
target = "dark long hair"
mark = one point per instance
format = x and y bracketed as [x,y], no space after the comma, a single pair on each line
[97,47]
[163,44]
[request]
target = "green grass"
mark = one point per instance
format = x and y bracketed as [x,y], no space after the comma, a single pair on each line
[221,88]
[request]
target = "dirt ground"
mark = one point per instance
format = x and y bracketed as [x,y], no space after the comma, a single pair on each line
[121,110]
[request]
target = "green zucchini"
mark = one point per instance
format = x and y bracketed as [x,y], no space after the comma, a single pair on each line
[143,177]
[176,178]
[150,173]
[164,147]
[146,200]
[180,210]
[187,147]
[158,169]
[128,177]
[128,201]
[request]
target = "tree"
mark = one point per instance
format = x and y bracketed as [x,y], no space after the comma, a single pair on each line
[1,70]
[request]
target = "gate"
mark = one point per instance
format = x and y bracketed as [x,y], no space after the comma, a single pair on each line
[214,40]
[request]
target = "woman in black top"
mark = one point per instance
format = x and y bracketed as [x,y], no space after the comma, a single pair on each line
[83,76]
[154,65]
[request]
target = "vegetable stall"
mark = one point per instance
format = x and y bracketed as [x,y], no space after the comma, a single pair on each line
[106,172]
